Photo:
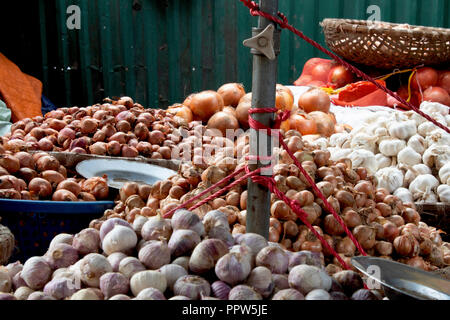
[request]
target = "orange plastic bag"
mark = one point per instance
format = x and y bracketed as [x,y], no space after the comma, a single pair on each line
[21,93]
[361,94]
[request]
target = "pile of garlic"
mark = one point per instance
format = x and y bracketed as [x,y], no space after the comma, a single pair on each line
[409,155]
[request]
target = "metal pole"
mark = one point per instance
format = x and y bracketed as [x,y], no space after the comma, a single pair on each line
[265,72]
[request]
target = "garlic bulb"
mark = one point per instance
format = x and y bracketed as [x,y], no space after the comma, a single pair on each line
[115,258]
[338,153]
[138,223]
[364,158]
[148,279]
[232,268]
[172,272]
[254,241]
[321,143]
[409,157]
[423,186]
[437,156]
[61,255]
[443,192]
[439,137]
[23,293]
[430,108]
[391,147]
[87,241]
[156,228]
[92,267]
[109,224]
[206,254]
[260,279]
[39,295]
[288,294]
[120,297]
[403,130]
[415,171]
[130,266]
[192,287]
[220,290]
[114,283]
[364,141]
[404,194]
[186,220]
[426,128]
[244,292]
[382,161]
[119,239]
[155,254]
[444,173]
[417,118]
[390,178]
[318,294]
[85,294]
[418,143]
[150,294]
[13,268]
[306,278]
[36,272]
[273,258]
[182,242]
[61,288]
[5,281]
[338,139]
[61,238]
[214,219]
[182,261]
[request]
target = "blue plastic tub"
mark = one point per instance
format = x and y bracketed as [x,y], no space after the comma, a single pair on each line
[35,223]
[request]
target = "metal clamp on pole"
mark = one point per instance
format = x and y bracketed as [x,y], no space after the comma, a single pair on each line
[265,45]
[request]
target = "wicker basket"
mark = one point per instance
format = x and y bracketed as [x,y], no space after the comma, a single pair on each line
[387,45]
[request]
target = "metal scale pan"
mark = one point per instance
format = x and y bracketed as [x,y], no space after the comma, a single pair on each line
[121,171]
[402,282]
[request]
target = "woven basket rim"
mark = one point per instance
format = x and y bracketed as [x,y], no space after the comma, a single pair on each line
[352,25]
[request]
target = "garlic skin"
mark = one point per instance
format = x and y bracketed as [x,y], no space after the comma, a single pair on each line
[254,241]
[61,255]
[39,295]
[155,255]
[306,278]
[148,279]
[390,178]
[403,130]
[129,266]
[182,262]
[36,272]
[119,239]
[232,268]
[413,172]
[192,287]
[92,267]
[172,272]
[443,192]
[215,219]
[418,144]
[260,279]
[244,292]
[13,268]
[391,147]
[220,290]
[109,224]
[206,254]
[115,258]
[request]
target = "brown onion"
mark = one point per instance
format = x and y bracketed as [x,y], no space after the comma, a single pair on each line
[366,236]
[113,148]
[25,160]
[97,186]
[40,187]
[47,163]
[53,177]
[70,185]
[64,195]
[98,148]
[10,163]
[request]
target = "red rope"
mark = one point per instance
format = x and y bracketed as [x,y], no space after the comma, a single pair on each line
[284,24]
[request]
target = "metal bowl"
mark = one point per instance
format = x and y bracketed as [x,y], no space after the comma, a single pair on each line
[402,282]
[121,171]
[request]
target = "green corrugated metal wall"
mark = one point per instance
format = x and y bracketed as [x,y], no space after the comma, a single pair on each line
[159,51]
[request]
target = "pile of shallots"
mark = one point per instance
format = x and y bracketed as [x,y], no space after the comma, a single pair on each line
[384,225]
[183,258]
[40,176]
[114,128]
[409,155]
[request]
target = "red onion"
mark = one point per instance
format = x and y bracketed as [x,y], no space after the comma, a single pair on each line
[146,118]
[156,137]
[98,148]
[70,185]
[64,195]
[129,152]
[109,130]
[144,148]
[25,159]
[123,126]
[113,148]
[47,163]
[120,137]
[79,151]
[99,136]
[127,116]
[40,187]
[65,134]
[53,177]
[10,163]
[82,143]
[38,133]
